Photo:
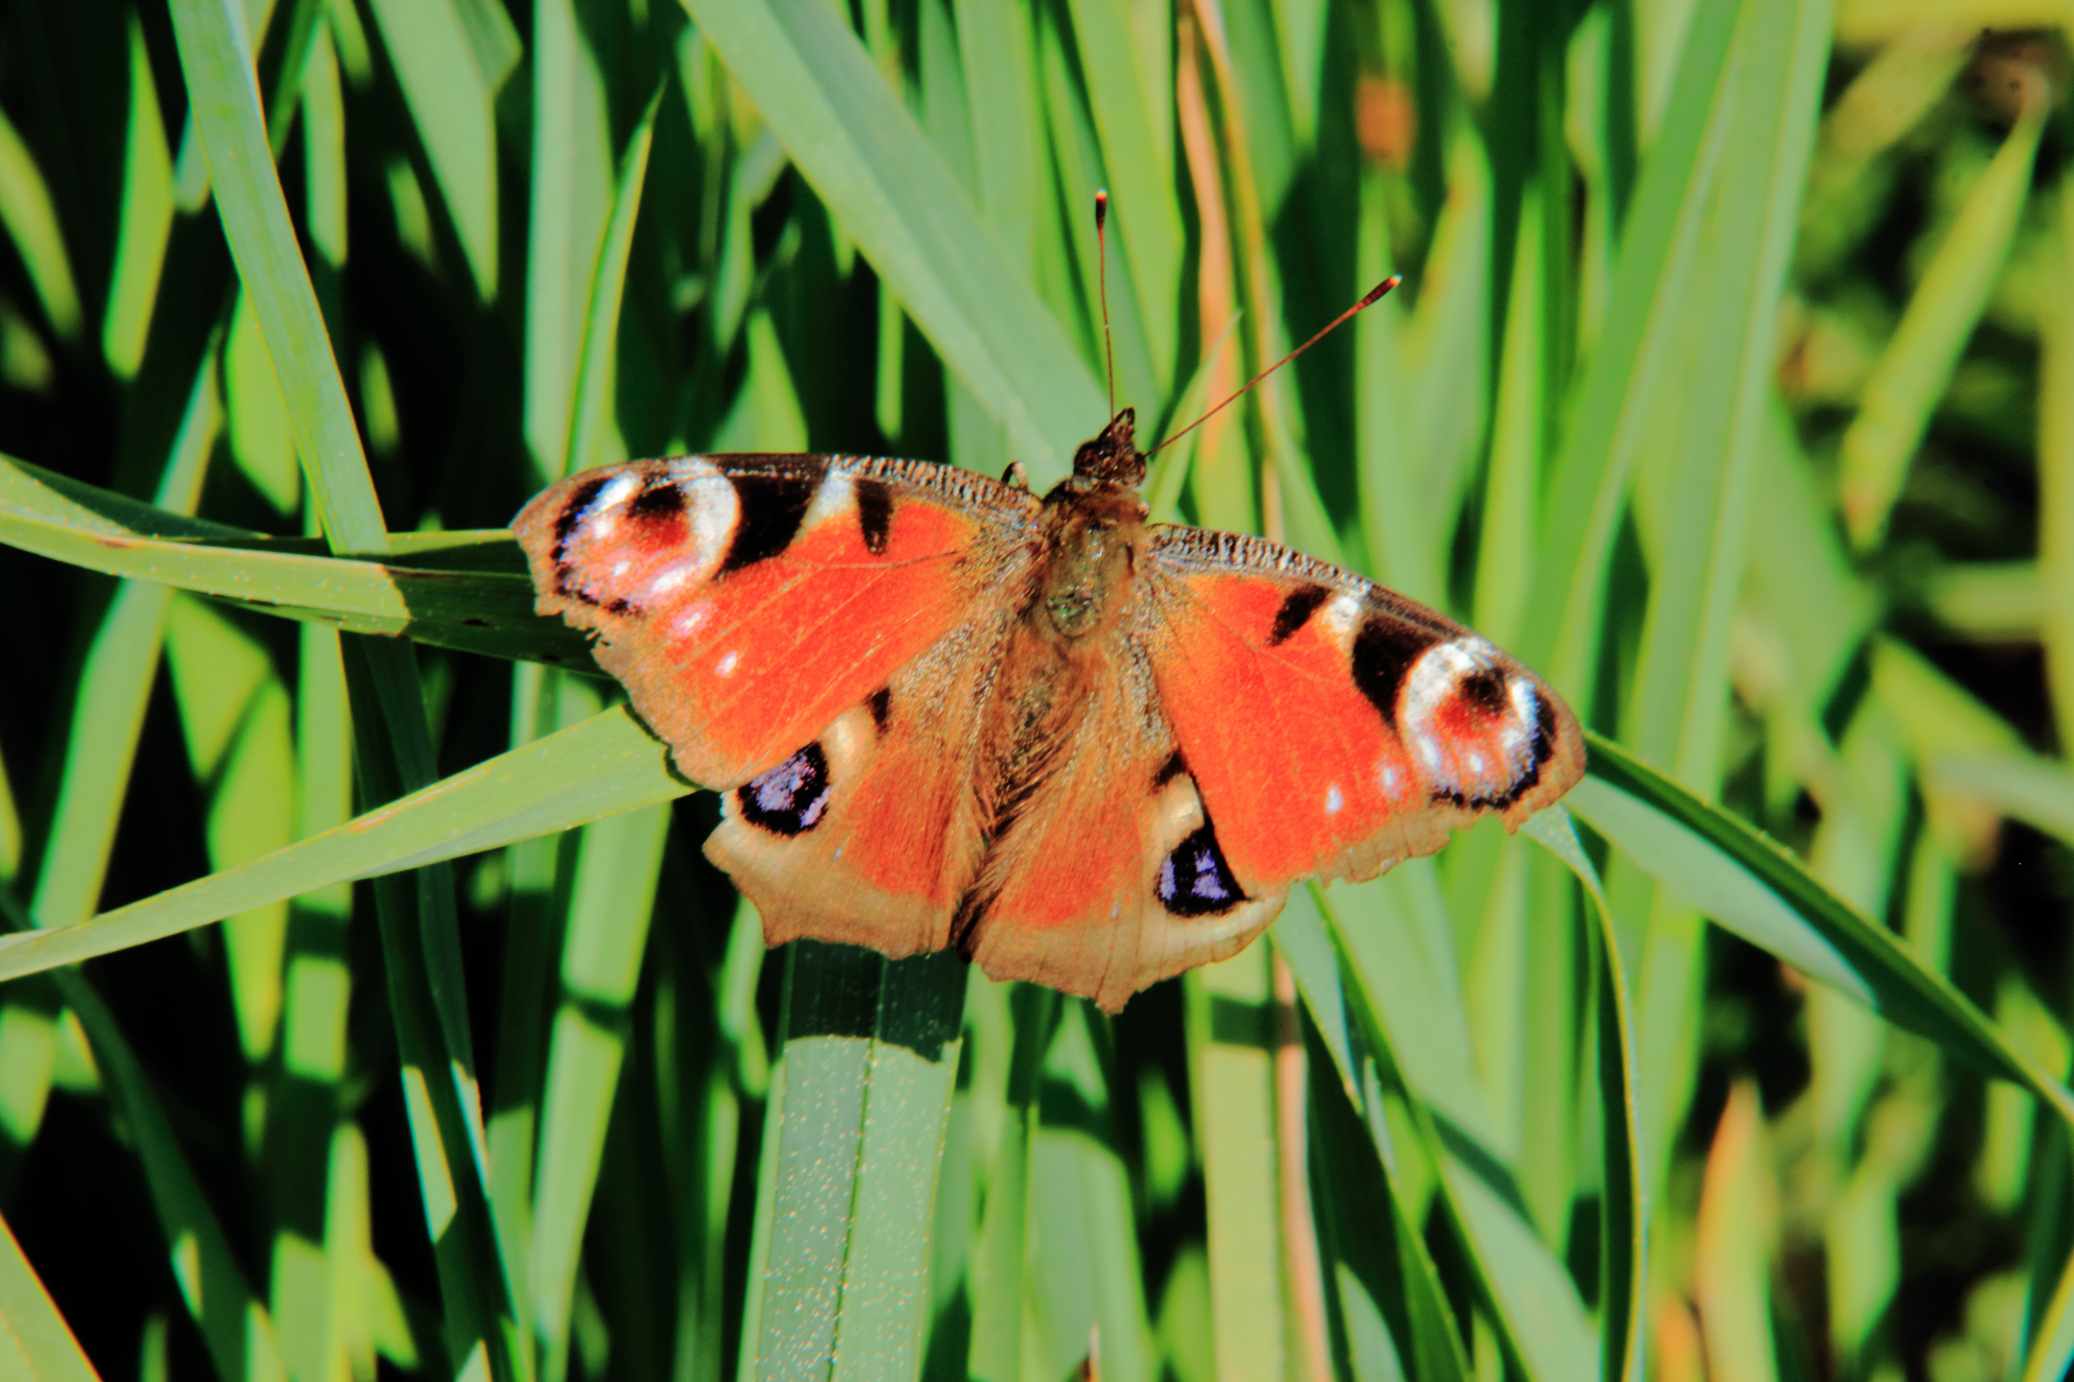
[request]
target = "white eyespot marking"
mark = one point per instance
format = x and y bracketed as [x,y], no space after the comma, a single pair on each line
[616,493]
[1333,800]
[621,567]
[668,581]
[1342,614]
[835,496]
[1471,724]
[711,511]
[726,666]
[1389,778]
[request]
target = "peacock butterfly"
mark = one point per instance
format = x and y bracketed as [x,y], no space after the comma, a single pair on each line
[1083,748]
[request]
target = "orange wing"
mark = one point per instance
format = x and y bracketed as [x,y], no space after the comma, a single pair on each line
[1104,876]
[747,601]
[871,834]
[1334,727]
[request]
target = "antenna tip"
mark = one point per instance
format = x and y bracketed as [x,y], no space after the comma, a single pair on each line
[1385,286]
[1101,205]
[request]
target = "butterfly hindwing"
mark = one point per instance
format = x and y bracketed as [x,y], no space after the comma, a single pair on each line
[1333,727]
[747,601]
[1103,873]
[871,833]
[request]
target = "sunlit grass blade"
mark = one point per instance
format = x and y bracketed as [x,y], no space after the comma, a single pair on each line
[37,1342]
[1373,1231]
[2033,790]
[1000,1256]
[597,354]
[866,158]
[1231,1037]
[32,222]
[1752,886]
[480,1280]
[224,97]
[1917,363]
[471,593]
[869,1057]
[1623,1205]
[599,768]
[2056,471]
[1084,1279]
[451,99]
[107,720]
[1588,479]
[1392,974]
[1137,150]
[1738,1223]
[147,220]
[114,684]
[235,1326]
[611,897]
[235,711]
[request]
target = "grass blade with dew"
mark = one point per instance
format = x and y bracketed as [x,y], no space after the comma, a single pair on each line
[861,1092]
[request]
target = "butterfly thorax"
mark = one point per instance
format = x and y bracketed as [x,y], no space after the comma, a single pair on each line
[1093,523]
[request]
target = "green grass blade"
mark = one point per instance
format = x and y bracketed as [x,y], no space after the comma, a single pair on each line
[1917,364]
[1000,1258]
[1083,1277]
[1385,1252]
[1130,118]
[235,711]
[1623,1205]
[597,356]
[235,1327]
[1401,994]
[451,100]
[471,592]
[2033,790]
[569,202]
[596,769]
[313,1251]
[147,220]
[611,898]
[31,219]
[874,167]
[421,952]
[10,830]
[113,688]
[224,99]
[869,1059]
[1738,1224]
[324,155]
[1752,886]
[1588,481]
[2056,472]
[37,1343]
[1231,1040]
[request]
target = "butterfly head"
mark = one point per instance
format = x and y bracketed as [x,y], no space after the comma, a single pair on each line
[1112,460]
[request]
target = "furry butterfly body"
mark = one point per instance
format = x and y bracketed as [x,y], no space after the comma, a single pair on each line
[1082,748]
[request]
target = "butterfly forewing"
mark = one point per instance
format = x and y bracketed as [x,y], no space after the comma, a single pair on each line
[747,601]
[1334,727]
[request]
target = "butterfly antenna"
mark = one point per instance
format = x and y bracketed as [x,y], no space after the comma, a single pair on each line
[1373,296]
[1102,272]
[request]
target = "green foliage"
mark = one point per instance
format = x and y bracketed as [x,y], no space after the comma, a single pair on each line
[1731,384]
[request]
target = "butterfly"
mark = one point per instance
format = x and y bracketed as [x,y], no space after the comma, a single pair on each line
[1083,748]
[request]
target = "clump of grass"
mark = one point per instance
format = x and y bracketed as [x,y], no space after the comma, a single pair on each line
[1729,387]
